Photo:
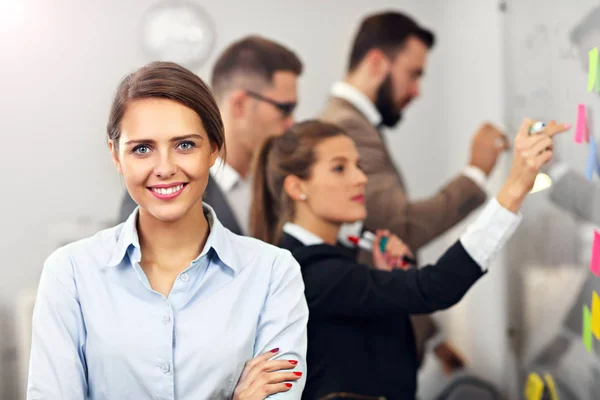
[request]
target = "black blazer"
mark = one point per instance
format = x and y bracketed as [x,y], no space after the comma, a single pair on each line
[360,339]
[213,196]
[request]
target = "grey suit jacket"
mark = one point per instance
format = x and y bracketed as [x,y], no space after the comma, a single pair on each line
[213,196]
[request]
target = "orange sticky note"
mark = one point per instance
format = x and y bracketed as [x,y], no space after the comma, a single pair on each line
[595,262]
[586,331]
[596,315]
[581,129]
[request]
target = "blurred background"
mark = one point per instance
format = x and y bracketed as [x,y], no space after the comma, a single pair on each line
[496,61]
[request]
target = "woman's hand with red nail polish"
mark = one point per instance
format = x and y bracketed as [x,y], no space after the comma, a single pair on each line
[262,377]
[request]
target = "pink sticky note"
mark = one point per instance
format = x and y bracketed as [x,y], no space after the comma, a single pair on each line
[581,130]
[595,262]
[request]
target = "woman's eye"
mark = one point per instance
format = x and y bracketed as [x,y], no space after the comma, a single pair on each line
[187,145]
[339,168]
[141,149]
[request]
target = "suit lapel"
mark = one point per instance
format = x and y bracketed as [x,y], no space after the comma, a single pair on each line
[337,105]
[215,198]
[389,156]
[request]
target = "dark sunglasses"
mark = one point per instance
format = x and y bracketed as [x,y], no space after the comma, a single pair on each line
[286,108]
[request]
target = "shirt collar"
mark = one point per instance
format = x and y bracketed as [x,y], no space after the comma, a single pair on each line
[358,99]
[304,236]
[219,239]
[225,176]
[127,236]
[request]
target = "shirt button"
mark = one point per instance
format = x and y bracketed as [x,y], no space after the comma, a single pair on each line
[166,319]
[185,277]
[165,368]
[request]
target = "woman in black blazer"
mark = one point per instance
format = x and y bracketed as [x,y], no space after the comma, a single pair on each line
[307,183]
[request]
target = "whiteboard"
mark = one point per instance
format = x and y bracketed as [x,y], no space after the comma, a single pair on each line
[546,78]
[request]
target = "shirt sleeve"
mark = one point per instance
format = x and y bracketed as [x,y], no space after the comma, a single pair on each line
[57,368]
[489,233]
[282,323]
[476,175]
[342,287]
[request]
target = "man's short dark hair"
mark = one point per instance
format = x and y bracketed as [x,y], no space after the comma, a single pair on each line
[588,24]
[254,57]
[387,31]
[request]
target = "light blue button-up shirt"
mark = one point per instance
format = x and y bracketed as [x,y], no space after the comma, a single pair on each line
[101,332]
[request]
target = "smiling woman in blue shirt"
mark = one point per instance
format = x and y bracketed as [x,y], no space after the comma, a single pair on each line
[169,304]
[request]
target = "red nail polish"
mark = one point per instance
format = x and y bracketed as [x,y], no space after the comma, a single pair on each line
[275,350]
[298,373]
[288,384]
[293,362]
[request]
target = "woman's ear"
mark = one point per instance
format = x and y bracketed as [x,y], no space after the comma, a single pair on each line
[295,188]
[214,153]
[115,156]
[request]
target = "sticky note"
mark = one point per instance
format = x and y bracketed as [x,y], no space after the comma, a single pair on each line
[551,385]
[593,69]
[595,261]
[534,389]
[596,315]
[581,129]
[586,331]
[592,163]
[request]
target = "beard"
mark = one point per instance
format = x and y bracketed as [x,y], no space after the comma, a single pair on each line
[390,115]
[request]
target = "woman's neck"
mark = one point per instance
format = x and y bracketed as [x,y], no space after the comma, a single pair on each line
[325,230]
[173,245]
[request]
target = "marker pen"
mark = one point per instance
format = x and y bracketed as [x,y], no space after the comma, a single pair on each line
[366,243]
[537,127]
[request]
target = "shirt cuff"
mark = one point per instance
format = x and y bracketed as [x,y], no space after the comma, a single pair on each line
[557,171]
[476,175]
[489,233]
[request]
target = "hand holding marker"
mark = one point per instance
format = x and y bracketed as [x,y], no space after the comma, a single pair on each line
[542,180]
[366,243]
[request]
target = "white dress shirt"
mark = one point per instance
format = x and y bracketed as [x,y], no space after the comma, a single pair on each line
[236,189]
[101,332]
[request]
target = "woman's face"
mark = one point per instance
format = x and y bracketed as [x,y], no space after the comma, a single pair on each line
[164,155]
[335,191]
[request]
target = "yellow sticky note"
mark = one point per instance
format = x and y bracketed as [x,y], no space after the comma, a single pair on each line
[551,386]
[596,315]
[534,388]
[593,69]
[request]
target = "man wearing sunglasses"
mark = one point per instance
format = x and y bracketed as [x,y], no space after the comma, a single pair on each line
[254,82]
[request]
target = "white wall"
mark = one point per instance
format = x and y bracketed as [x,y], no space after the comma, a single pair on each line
[61,62]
